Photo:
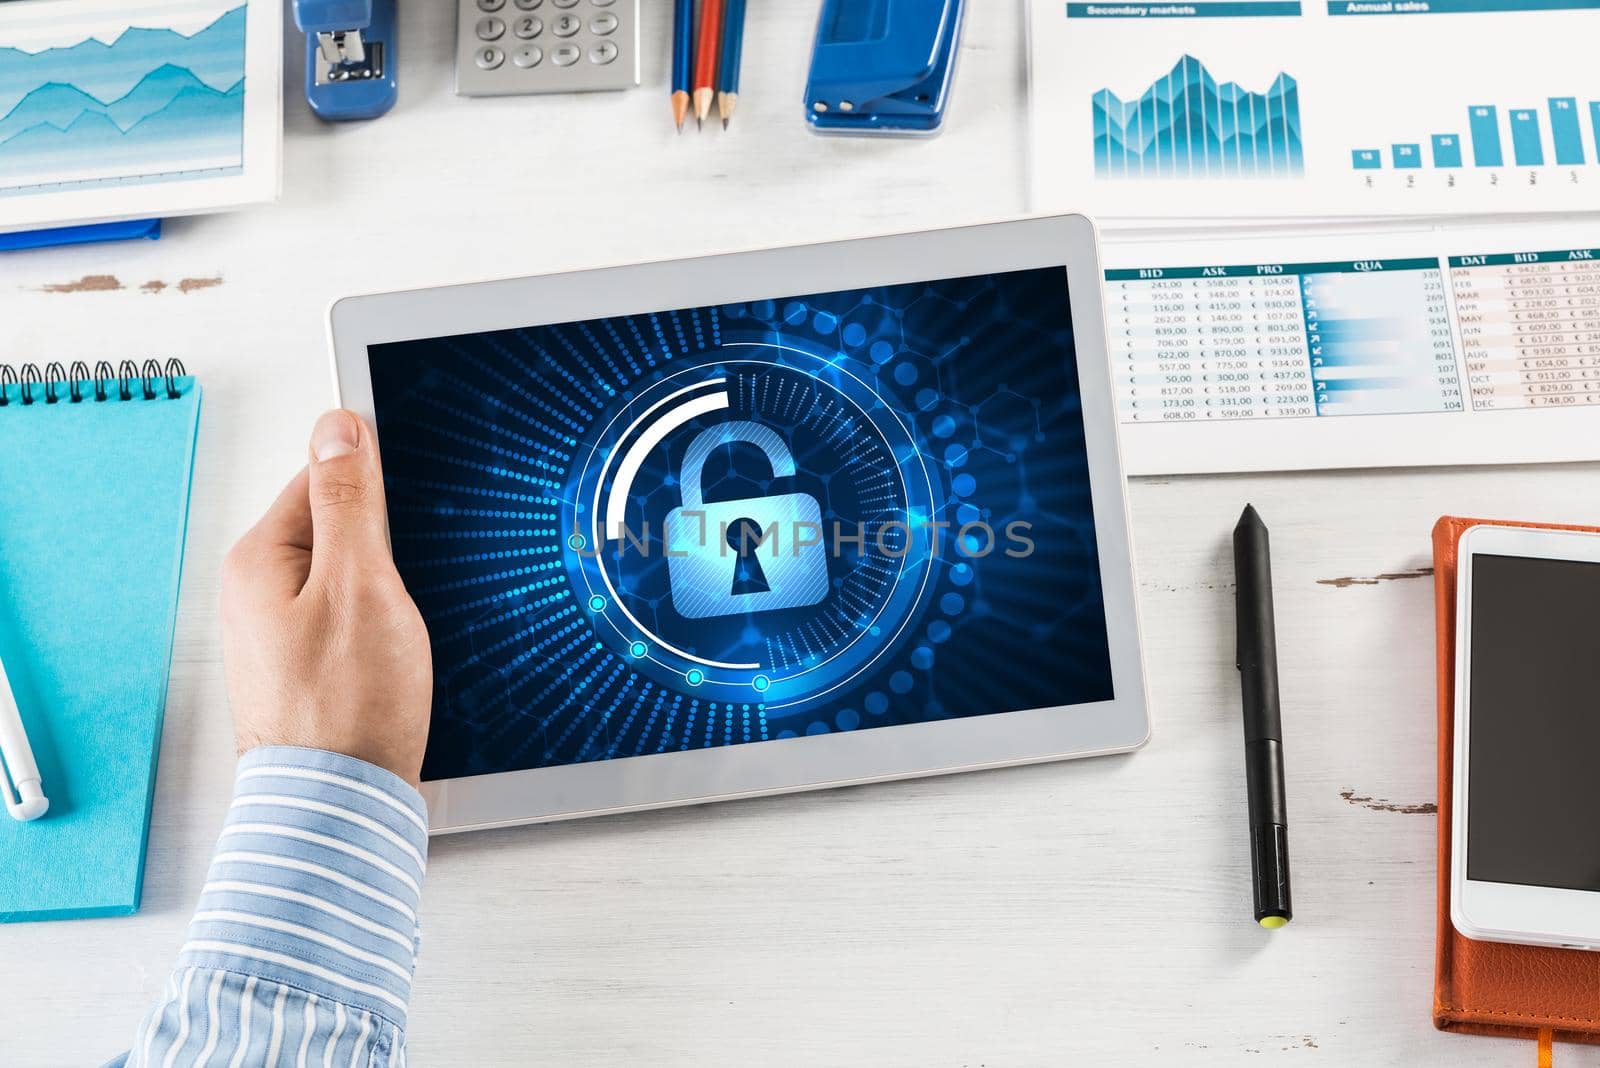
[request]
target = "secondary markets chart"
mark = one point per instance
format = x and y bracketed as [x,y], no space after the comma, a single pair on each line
[1186,125]
[1288,109]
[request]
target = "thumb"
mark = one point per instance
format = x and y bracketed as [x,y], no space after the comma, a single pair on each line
[348,521]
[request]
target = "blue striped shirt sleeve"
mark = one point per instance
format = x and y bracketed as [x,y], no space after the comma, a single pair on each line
[303,944]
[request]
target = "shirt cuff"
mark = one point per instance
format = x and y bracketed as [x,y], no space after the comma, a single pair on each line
[316,880]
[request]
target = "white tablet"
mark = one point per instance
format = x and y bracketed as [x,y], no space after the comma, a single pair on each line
[755,523]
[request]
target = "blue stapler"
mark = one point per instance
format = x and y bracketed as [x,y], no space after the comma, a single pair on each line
[883,66]
[350,57]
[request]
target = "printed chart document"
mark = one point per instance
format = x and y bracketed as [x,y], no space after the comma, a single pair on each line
[1393,348]
[111,109]
[1285,109]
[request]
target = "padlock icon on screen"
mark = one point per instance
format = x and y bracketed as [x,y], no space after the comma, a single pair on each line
[763,554]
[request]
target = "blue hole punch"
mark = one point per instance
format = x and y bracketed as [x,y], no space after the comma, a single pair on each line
[350,57]
[883,66]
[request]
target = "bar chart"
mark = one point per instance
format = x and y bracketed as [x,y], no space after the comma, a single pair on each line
[1552,134]
[1187,125]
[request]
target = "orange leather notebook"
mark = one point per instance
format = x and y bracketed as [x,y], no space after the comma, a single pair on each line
[1493,988]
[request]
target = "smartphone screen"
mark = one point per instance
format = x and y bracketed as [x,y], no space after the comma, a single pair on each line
[1533,814]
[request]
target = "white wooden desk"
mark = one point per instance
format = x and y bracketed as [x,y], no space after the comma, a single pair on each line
[1088,913]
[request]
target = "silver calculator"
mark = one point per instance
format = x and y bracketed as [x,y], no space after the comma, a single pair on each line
[504,47]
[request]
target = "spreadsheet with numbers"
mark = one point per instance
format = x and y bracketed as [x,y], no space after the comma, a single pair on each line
[1386,348]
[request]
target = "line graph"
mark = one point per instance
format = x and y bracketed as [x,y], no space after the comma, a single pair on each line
[150,101]
[1187,125]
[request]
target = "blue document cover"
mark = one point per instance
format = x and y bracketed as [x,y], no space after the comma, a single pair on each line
[95,486]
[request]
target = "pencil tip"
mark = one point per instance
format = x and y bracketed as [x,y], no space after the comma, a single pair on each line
[724,124]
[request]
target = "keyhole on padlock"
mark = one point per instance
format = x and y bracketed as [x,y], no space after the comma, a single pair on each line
[744,537]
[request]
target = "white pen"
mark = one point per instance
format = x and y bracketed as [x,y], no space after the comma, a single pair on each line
[25,798]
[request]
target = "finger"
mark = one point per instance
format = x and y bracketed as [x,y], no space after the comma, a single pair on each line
[275,554]
[349,524]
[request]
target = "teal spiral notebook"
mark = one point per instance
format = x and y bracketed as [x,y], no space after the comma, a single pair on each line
[94,501]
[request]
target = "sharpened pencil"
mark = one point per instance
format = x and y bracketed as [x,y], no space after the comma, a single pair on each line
[708,43]
[732,53]
[682,54]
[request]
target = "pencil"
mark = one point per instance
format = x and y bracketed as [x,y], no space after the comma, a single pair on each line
[682,51]
[709,34]
[732,52]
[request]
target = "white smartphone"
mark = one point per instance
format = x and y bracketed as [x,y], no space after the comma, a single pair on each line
[1526,862]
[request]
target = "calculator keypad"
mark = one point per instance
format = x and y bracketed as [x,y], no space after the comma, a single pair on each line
[507,47]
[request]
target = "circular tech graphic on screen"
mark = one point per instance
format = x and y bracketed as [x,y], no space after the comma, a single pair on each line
[729,524]
[755,529]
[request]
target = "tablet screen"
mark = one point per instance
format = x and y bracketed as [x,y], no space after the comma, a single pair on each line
[725,525]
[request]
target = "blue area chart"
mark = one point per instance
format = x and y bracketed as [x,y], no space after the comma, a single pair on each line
[1186,125]
[151,104]
[567,505]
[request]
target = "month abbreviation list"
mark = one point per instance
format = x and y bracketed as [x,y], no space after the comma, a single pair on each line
[1530,327]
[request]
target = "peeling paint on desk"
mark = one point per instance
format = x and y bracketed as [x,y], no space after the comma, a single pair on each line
[89,283]
[1425,808]
[109,283]
[1183,589]
[1387,576]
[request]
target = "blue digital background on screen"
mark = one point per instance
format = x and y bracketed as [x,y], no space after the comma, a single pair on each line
[720,525]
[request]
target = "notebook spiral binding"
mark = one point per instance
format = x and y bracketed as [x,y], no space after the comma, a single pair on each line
[50,383]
